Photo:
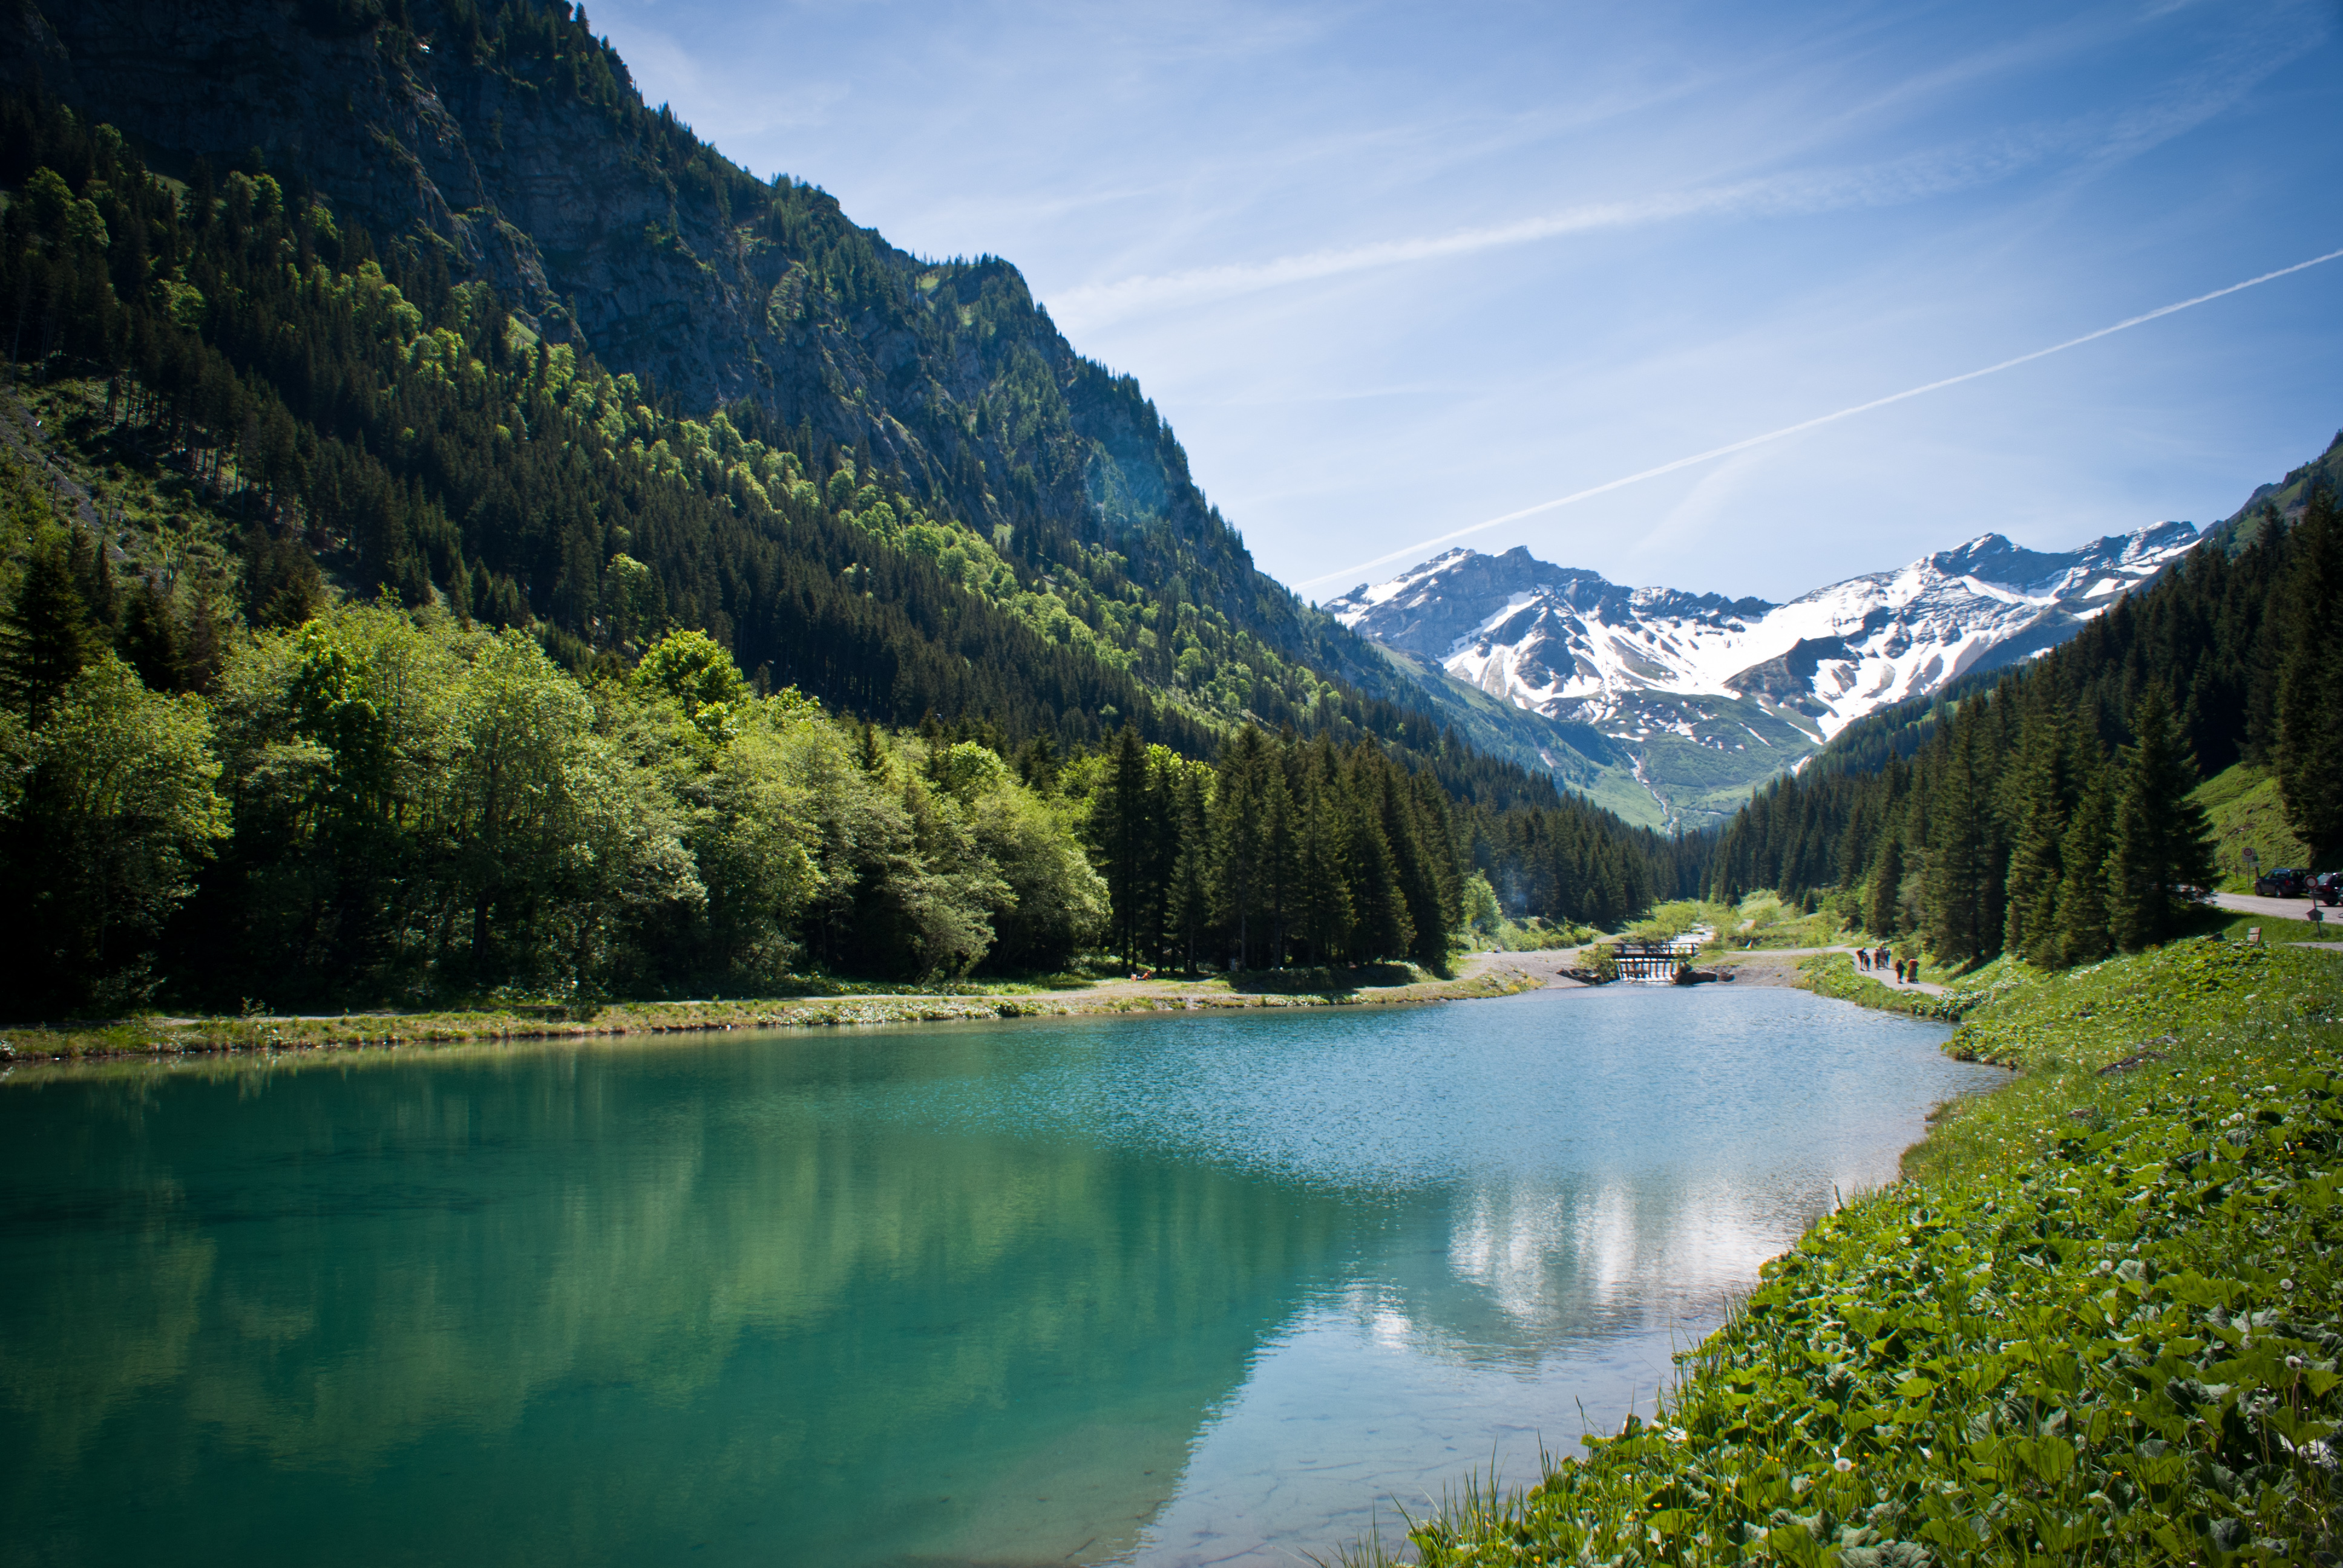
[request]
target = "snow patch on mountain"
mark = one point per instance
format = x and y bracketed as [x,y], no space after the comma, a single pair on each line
[1636,663]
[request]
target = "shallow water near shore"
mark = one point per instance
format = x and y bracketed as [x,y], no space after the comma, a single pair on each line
[1163,1290]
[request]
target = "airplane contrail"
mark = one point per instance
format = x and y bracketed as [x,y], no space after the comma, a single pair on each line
[1742,446]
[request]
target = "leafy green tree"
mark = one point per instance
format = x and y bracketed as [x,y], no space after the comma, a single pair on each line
[118,809]
[749,833]
[633,601]
[694,669]
[2160,848]
[947,902]
[623,887]
[1056,905]
[1482,916]
[520,726]
[331,707]
[861,841]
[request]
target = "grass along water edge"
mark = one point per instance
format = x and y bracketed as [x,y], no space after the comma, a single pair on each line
[135,1039]
[2097,1321]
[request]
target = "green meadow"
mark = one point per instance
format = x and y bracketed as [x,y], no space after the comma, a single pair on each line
[2096,1321]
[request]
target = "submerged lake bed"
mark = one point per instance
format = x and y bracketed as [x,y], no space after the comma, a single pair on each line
[1164,1289]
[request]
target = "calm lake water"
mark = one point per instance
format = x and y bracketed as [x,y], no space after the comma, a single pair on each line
[1167,1291]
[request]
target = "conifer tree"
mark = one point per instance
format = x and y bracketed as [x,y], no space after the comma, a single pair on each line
[1237,842]
[1420,844]
[1188,906]
[1165,770]
[46,635]
[1381,927]
[1280,864]
[150,638]
[1120,827]
[1325,911]
[2310,750]
[2083,936]
[1037,765]
[2158,848]
[1960,923]
[2030,928]
[1881,903]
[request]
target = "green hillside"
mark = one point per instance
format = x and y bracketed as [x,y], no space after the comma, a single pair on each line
[2244,811]
[234,418]
[499,166]
[2283,501]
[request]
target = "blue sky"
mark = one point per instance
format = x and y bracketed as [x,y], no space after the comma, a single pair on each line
[1393,270]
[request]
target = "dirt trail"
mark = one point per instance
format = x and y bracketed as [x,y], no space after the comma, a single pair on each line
[1779,966]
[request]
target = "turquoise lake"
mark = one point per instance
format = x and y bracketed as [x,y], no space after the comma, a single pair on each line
[1170,1290]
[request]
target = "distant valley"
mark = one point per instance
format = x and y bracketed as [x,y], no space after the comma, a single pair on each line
[1669,706]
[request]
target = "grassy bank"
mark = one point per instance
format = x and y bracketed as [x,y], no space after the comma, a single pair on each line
[1835,975]
[174,1037]
[2097,1322]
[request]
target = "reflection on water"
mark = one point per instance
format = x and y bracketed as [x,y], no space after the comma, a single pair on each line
[1175,1289]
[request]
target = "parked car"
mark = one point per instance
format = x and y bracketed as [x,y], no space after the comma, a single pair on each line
[2326,888]
[2283,883]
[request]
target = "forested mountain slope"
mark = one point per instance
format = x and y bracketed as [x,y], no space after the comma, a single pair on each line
[2050,816]
[510,148]
[232,410]
[2284,501]
[1903,727]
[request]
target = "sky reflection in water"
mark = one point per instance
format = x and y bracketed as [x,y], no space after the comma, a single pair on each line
[1166,1290]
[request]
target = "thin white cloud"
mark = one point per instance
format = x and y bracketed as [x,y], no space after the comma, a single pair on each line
[1916,178]
[1742,445]
[2228,76]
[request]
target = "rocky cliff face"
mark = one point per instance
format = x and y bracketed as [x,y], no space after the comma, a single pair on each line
[524,157]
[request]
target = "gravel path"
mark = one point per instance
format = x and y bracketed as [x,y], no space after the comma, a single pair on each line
[2275,909]
[1758,967]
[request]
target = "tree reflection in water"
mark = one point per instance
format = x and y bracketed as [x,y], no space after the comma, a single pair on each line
[957,1294]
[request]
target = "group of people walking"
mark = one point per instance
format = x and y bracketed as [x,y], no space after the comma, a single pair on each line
[1880,958]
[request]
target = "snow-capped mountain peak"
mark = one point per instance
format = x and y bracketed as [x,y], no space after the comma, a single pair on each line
[1566,643]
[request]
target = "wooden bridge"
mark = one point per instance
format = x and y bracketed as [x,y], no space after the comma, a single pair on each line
[1653,960]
